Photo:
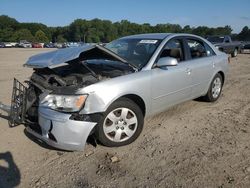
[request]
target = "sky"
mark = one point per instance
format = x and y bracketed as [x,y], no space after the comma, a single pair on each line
[212,13]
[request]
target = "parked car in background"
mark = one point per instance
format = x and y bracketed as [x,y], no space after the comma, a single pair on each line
[71,44]
[58,45]
[24,44]
[37,45]
[13,44]
[49,45]
[8,45]
[225,44]
[245,47]
[109,90]
[2,45]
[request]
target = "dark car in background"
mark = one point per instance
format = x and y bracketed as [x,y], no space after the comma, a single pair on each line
[225,44]
[245,47]
[2,45]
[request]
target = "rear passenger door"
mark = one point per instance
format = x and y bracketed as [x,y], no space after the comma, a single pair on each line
[201,63]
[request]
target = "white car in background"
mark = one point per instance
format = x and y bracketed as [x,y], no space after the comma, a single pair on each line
[25,44]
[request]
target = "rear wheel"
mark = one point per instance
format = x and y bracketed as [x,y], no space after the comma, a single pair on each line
[121,124]
[215,89]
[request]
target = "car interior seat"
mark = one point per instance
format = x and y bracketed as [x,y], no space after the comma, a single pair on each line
[196,53]
[174,52]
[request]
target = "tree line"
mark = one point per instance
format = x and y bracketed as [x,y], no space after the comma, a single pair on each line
[97,30]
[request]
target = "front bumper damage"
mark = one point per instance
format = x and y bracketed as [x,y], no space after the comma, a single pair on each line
[59,131]
[54,128]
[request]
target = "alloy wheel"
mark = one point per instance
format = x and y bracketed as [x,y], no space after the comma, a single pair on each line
[216,88]
[120,124]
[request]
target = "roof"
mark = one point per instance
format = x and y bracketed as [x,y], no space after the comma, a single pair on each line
[159,36]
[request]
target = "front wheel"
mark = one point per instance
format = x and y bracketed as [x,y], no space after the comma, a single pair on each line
[121,124]
[215,88]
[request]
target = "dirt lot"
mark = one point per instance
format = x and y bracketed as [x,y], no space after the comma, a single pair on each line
[195,144]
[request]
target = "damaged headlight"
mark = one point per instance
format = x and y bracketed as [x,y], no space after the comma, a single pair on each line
[65,103]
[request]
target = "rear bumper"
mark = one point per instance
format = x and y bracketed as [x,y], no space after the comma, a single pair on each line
[59,131]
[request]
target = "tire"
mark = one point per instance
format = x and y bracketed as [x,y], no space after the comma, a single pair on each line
[215,88]
[235,52]
[121,124]
[241,51]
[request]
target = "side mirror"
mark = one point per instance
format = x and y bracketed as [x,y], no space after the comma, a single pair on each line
[166,61]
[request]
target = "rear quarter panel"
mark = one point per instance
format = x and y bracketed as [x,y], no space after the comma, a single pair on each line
[221,65]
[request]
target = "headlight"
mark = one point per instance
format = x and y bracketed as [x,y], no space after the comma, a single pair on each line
[65,103]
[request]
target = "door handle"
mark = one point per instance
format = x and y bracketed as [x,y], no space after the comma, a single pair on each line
[188,71]
[213,64]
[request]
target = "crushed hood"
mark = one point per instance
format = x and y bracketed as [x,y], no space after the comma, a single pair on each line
[60,57]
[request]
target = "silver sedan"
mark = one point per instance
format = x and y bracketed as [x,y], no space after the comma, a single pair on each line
[109,90]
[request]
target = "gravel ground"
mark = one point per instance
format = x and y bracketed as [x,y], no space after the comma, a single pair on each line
[194,144]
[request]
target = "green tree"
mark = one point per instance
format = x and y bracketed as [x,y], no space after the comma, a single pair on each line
[7,22]
[187,29]
[244,34]
[6,35]
[41,37]
[98,30]
[60,39]
[34,27]
[23,34]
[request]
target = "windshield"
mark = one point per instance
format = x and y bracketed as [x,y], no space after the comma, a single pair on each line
[135,51]
[215,39]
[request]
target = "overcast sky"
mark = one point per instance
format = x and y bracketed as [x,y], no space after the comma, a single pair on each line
[212,13]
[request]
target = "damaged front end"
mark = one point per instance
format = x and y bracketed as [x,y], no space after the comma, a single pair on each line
[48,105]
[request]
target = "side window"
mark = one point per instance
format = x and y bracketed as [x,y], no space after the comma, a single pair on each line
[173,49]
[197,48]
[209,50]
[226,39]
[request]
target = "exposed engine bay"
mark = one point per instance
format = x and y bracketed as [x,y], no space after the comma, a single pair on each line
[68,78]
[78,74]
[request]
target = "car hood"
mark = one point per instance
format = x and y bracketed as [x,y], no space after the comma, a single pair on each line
[65,56]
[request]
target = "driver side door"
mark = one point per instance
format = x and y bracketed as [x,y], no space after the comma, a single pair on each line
[172,84]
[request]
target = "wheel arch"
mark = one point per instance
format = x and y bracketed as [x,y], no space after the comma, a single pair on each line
[137,100]
[222,75]
[209,83]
